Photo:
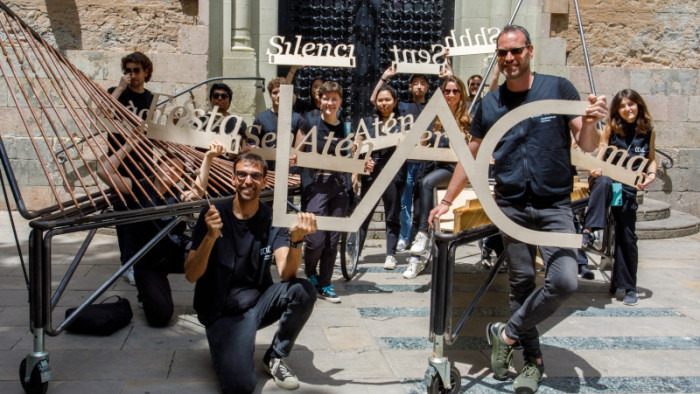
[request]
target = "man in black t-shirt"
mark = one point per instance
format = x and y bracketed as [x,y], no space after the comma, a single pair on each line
[131,91]
[533,182]
[233,246]
[266,122]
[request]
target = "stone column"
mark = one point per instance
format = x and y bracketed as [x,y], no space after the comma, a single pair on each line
[239,58]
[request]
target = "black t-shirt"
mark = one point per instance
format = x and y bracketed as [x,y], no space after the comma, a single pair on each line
[235,251]
[136,102]
[267,121]
[323,131]
[136,235]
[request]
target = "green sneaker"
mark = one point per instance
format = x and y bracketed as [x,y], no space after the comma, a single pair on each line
[529,379]
[501,352]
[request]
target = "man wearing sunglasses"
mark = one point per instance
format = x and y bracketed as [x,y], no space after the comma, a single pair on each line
[233,247]
[533,184]
[137,69]
[220,96]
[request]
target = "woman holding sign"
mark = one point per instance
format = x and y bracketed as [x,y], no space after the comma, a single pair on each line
[629,129]
[385,122]
[437,174]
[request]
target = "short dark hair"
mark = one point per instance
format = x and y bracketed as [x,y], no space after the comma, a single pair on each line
[275,83]
[414,76]
[251,158]
[139,58]
[511,28]
[220,86]
[330,87]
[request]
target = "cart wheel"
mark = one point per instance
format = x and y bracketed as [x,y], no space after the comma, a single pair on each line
[438,387]
[35,385]
[349,255]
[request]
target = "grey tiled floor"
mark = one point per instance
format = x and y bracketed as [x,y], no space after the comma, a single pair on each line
[375,340]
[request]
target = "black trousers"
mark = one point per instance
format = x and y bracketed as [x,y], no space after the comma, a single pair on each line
[153,286]
[626,252]
[232,338]
[327,195]
[392,206]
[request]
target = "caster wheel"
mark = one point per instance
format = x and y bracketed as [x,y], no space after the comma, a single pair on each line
[35,385]
[437,386]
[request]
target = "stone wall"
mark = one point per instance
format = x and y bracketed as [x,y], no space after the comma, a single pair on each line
[650,46]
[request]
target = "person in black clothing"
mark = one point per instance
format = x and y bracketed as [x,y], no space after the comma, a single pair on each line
[132,94]
[266,122]
[220,96]
[131,91]
[167,256]
[325,193]
[629,129]
[233,247]
[418,86]
[311,110]
[533,184]
[386,115]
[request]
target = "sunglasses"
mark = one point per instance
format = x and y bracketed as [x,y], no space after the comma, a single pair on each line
[135,70]
[254,176]
[451,91]
[220,96]
[515,51]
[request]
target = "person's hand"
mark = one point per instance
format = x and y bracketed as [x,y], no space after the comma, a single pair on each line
[124,81]
[445,72]
[389,73]
[597,111]
[215,149]
[369,165]
[647,179]
[306,224]
[213,221]
[292,161]
[595,173]
[355,181]
[436,212]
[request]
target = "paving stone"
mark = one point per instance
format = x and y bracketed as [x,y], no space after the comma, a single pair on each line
[112,364]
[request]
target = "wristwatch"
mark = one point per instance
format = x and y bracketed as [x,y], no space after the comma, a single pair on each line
[297,244]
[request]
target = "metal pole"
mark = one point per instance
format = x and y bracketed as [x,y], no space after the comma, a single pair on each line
[493,60]
[585,50]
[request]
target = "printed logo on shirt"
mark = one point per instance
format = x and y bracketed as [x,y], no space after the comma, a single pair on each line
[639,149]
[546,118]
[266,251]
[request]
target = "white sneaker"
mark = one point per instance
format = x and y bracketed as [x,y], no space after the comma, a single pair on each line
[415,266]
[129,276]
[401,245]
[420,244]
[390,263]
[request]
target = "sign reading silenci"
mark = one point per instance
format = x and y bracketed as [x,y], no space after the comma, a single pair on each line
[310,54]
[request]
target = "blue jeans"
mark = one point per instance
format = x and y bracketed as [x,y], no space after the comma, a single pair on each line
[232,338]
[407,200]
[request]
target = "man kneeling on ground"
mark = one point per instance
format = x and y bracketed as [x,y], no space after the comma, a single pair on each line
[233,245]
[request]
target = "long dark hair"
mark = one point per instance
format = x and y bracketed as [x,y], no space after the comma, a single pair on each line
[462,112]
[395,96]
[615,121]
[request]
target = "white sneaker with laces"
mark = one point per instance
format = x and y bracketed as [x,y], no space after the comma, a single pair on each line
[420,244]
[129,276]
[415,266]
[390,263]
[401,245]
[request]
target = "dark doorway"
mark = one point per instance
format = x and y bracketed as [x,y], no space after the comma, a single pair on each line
[373,26]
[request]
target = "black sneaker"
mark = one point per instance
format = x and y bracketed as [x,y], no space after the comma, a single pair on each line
[501,352]
[528,381]
[630,297]
[585,272]
[281,373]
